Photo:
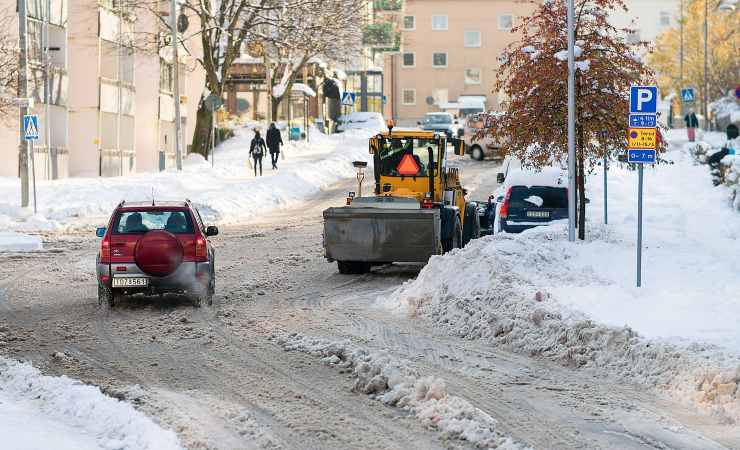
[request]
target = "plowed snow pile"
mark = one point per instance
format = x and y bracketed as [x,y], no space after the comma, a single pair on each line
[391,381]
[42,412]
[538,294]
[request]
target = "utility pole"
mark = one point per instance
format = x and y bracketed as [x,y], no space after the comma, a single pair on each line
[176,87]
[571,125]
[23,96]
[47,96]
[119,62]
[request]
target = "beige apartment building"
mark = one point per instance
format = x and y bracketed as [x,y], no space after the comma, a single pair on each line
[449,48]
[111,85]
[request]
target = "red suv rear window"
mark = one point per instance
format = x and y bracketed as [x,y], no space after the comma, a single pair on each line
[139,222]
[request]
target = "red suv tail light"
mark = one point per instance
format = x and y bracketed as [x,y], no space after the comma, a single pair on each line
[201,253]
[105,250]
[504,211]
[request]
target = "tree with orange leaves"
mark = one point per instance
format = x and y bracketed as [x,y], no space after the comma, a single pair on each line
[534,80]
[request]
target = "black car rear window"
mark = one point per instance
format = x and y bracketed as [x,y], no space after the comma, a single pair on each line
[139,222]
[538,197]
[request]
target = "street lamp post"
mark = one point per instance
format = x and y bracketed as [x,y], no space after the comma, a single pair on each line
[571,124]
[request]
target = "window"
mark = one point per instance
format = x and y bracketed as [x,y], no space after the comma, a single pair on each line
[505,22]
[439,23]
[665,19]
[393,151]
[139,222]
[166,76]
[472,76]
[409,23]
[409,97]
[633,37]
[409,60]
[472,38]
[439,59]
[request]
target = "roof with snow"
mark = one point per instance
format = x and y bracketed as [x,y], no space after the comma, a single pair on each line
[547,176]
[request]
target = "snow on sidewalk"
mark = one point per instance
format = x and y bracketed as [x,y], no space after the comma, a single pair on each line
[16,242]
[39,412]
[577,304]
[226,194]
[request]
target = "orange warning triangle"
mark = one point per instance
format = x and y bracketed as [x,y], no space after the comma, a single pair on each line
[408,166]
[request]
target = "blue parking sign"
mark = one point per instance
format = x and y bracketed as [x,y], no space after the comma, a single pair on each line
[643,99]
[643,121]
[641,156]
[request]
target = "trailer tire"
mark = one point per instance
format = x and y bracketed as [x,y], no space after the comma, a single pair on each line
[353,267]
[476,152]
[456,240]
[471,230]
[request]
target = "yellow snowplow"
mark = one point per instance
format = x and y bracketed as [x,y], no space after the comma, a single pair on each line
[417,210]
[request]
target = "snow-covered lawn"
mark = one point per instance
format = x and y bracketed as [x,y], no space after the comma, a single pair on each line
[228,193]
[40,412]
[577,303]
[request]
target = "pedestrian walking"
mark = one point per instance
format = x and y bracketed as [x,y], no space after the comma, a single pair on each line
[274,141]
[692,123]
[257,149]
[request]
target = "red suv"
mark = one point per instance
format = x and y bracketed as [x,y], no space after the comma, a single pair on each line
[156,248]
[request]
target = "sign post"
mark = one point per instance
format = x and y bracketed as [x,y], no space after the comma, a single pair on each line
[31,133]
[641,147]
[213,103]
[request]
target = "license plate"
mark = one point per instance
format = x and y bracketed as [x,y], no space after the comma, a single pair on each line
[539,214]
[130,282]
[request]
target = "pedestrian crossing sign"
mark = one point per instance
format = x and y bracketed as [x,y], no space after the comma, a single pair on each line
[348,99]
[687,95]
[30,127]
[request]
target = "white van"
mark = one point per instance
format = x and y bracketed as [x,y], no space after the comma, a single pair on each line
[479,143]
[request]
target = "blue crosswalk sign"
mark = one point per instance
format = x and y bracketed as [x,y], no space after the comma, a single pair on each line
[348,99]
[643,99]
[687,95]
[30,127]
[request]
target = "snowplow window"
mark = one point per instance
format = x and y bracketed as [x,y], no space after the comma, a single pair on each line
[392,151]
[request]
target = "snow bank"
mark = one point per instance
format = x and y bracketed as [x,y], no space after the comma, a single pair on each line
[227,193]
[15,242]
[41,412]
[395,383]
[538,294]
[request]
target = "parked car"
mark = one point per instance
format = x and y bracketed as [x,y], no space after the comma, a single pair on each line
[362,120]
[479,143]
[155,248]
[526,199]
[441,121]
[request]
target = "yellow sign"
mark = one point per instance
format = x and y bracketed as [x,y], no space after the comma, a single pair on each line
[642,138]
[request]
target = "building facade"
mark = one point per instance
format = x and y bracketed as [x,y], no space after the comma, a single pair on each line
[449,48]
[111,107]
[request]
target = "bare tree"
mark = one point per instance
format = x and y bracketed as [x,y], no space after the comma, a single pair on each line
[8,64]
[330,29]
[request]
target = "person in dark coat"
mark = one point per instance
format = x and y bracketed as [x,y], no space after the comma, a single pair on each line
[257,149]
[274,141]
[692,122]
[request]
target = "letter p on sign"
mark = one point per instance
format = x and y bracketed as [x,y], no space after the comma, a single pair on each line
[643,99]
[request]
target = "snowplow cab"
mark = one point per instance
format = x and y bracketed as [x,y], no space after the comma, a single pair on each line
[417,210]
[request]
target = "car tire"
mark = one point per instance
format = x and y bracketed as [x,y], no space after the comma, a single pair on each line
[456,240]
[477,153]
[105,296]
[353,267]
